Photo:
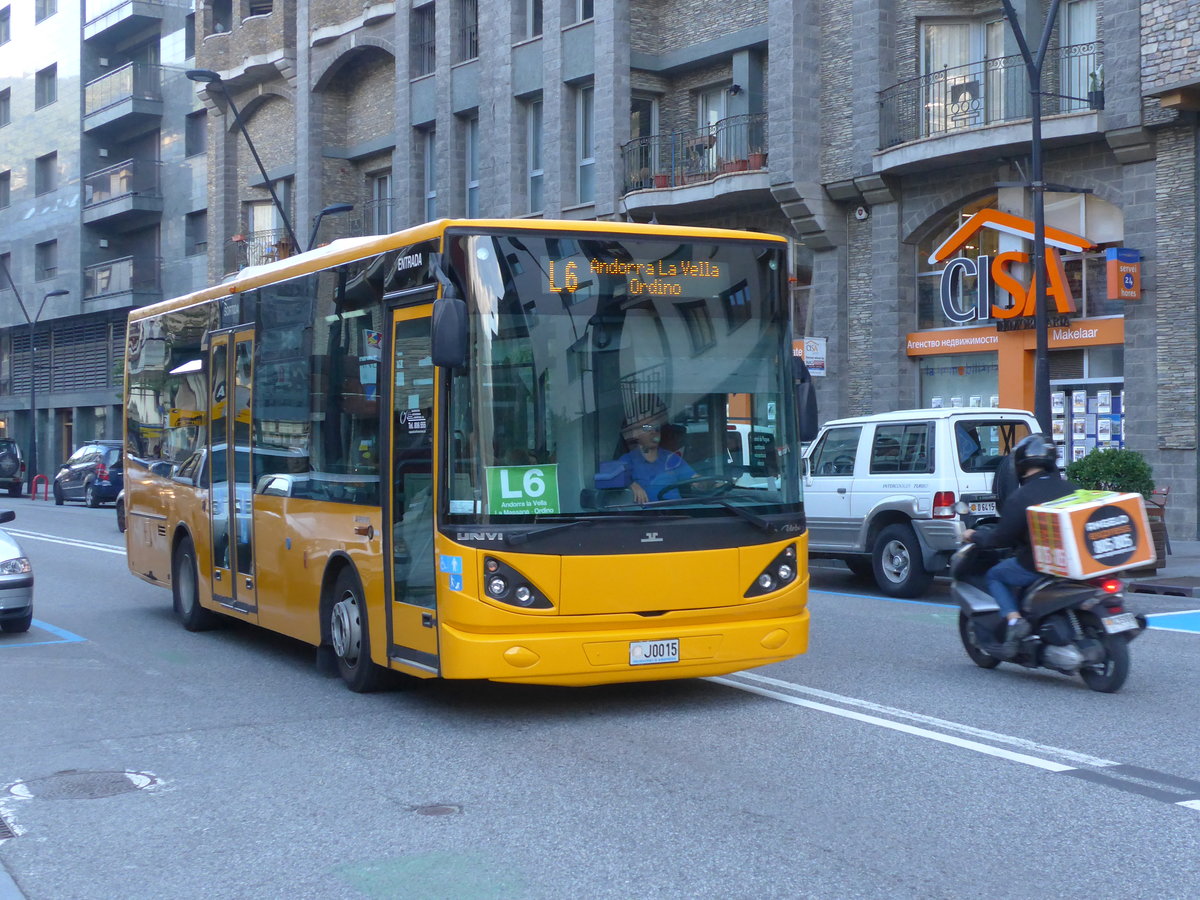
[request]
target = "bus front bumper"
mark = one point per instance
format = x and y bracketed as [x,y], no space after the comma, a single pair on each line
[579,658]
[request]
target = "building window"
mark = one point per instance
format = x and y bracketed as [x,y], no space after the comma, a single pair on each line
[585,136]
[195,135]
[467,44]
[584,10]
[5,25]
[5,188]
[529,19]
[471,175]
[259,7]
[45,260]
[44,9]
[379,217]
[424,41]
[195,233]
[533,144]
[189,36]
[6,268]
[45,173]
[222,16]
[5,107]
[429,169]
[45,87]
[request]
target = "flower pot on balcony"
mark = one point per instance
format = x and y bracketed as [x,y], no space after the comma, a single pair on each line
[734,165]
[757,161]
[662,181]
[1096,99]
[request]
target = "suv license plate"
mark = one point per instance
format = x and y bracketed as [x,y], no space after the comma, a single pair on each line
[1118,623]
[644,652]
[982,507]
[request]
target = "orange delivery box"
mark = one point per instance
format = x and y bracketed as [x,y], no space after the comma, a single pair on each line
[1090,533]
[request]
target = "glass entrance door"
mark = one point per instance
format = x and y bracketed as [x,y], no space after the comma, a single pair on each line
[413,443]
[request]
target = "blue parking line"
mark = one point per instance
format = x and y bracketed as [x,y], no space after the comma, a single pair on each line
[888,599]
[64,637]
[1188,621]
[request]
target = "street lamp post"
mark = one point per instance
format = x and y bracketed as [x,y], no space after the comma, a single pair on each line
[1033,68]
[332,209]
[209,77]
[33,448]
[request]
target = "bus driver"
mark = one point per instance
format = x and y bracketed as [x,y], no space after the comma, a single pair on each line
[654,470]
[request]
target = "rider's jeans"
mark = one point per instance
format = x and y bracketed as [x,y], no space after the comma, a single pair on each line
[1003,580]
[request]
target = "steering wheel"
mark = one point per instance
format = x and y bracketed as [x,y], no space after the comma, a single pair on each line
[720,485]
[843,465]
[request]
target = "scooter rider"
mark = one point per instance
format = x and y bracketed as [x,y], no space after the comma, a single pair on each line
[1035,459]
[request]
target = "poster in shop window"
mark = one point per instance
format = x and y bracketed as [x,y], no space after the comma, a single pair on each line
[1079,402]
[1058,403]
[1104,402]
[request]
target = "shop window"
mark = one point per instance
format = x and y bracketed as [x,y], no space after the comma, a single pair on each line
[960,380]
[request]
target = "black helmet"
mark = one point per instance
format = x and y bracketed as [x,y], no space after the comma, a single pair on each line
[1035,450]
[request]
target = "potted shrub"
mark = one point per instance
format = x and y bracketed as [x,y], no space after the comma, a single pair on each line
[758,160]
[1128,472]
[1096,88]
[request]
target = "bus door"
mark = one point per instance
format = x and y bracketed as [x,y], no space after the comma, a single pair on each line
[231,358]
[411,492]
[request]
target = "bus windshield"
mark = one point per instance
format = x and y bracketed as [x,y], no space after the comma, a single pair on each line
[615,375]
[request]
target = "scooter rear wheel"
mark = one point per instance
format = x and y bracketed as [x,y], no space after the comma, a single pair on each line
[1115,669]
[978,656]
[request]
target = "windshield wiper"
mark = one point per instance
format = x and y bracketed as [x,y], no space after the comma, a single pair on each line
[753,518]
[520,537]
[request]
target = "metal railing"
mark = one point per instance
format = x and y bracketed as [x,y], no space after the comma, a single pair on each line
[735,144]
[466,43]
[125,179]
[129,274]
[137,81]
[257,248]
[117,9]
[381,216]
[990,92]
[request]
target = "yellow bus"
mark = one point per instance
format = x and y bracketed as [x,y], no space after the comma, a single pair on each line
[481,449]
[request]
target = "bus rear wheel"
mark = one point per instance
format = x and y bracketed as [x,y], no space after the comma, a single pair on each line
[350,636]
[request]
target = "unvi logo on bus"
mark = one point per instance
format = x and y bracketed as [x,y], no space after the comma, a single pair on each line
[995,274]
[522,489]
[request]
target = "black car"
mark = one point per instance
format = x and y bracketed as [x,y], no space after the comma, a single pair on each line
[12,467]
[94,474]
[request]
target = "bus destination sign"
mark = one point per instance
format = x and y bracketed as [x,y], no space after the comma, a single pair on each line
[658,277]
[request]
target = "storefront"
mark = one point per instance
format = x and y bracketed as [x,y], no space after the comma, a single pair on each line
[976,344]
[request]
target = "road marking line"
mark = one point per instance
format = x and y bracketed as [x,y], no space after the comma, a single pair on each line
[986,749]
[64,637]
[1190,804]
[68,542]
[1081,759]
[1178,612]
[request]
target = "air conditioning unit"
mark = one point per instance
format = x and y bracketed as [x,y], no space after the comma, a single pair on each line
[103,151]
[104,60]
[103,243]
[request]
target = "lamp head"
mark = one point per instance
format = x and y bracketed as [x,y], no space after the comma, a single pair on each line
[57,293]
[204,76]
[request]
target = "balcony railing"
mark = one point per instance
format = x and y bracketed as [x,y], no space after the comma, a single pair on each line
[102,15]
[130,274]
[989,92]
[257,248]
[133,81]
[132,177]
[735,144]
[374,217]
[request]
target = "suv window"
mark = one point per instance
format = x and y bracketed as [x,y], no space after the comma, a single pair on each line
[980,444]
[80,454]
[902,448]
[836,452]
[112,456]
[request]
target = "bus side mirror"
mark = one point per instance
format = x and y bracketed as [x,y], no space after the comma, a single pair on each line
[449,332]
[806,396]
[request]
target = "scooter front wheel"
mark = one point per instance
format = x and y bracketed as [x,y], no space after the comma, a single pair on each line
[978,656]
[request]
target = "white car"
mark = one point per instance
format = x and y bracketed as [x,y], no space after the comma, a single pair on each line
[879,491]
[16,582]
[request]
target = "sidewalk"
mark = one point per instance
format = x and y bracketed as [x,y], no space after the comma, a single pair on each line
[1180,576]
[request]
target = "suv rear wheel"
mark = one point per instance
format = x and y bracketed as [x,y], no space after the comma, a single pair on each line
[899,571]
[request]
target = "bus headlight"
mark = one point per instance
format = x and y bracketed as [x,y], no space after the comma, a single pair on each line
[504,583]
[779,573]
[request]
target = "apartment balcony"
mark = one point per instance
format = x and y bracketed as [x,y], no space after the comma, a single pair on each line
[257,248]
[115,20]
[688,170]
[951,108]
[128,99]
[125,196]
[119,283]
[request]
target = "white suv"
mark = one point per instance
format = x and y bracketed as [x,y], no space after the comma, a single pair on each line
[879,491]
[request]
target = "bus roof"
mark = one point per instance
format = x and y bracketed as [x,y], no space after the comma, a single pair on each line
[347,250]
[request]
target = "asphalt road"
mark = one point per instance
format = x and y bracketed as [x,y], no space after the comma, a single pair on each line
[141,761]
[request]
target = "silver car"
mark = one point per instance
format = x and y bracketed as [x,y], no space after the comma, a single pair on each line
[16,582]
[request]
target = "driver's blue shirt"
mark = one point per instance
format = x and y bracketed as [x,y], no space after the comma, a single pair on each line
[658,478]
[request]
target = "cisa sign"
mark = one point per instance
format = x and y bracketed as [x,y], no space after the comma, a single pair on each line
[995,274]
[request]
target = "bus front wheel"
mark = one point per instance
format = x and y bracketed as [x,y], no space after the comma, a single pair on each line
[185,590]
[350,636]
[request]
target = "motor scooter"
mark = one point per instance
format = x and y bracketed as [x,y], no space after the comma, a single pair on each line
[1076,627]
